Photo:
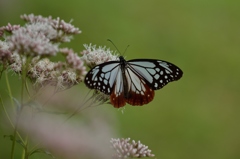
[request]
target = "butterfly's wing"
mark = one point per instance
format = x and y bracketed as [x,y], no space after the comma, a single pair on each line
[102,77]
[146,75]
[139,92]
[156,73]
[143,76]
[107,78]
[117,97]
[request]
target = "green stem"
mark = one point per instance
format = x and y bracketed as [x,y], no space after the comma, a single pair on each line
[25,154]
[24,74]
[13,143]
[12,103]
[9,90]
[18,113]
[11,99]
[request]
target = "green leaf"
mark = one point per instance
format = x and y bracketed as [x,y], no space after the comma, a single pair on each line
[17,103]
[41,150]
[18,141]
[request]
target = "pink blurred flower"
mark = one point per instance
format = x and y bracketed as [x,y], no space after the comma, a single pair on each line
[70,139]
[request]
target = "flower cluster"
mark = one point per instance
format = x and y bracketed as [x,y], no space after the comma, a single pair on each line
[31,46]
[124,149]
[93,56]
[63,75]
[57,23]
[33,40]
[74,60]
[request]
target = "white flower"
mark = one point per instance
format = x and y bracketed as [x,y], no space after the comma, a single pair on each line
[29,41]
[64,30]
[124,149]
[94,56]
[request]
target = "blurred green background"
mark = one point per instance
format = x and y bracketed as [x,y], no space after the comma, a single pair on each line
[194,118]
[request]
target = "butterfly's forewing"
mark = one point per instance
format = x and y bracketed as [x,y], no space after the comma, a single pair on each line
[146,75]
[156,73]
[103,77]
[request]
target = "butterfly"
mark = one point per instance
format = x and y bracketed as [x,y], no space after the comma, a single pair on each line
[132,81]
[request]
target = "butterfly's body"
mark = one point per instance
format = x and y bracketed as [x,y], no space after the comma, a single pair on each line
[123,65]
[132,81]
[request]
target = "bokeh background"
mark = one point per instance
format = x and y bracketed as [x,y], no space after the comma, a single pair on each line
[196,117]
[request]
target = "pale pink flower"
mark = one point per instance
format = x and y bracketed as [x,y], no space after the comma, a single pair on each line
[64,30]
[62,75]
[93,55]
[30,42]
[74,61]
[124,149]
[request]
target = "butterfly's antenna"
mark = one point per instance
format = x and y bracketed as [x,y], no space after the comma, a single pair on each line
[114,45]
[125,49]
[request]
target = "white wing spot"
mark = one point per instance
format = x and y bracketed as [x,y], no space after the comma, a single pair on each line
[161,72]
[161,81]
[157,76]
[155,85]
[105,81]
[157,69]
[168,72]
[166,77]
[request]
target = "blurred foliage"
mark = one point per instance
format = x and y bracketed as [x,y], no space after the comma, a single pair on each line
[196,117]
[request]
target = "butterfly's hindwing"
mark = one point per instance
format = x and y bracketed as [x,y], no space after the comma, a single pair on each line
[139,93]
[117,97]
